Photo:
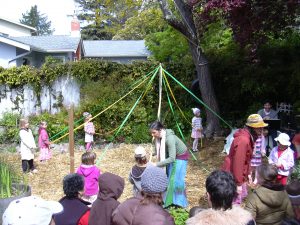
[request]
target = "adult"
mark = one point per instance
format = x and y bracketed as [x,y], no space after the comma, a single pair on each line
[76,211]
[267,113]
[269,203]
[146,208]
[240,153]
[111,187]
[221,190]
[170,147]
[31,210]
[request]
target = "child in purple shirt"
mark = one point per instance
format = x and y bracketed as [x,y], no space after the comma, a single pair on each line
[91,173]
[44,143]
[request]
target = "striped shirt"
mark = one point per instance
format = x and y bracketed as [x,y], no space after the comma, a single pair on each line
[196,123]
[256,159]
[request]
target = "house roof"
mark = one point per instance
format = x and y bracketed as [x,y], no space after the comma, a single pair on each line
[19,24]
[15,43]
[115,48]
[50,43]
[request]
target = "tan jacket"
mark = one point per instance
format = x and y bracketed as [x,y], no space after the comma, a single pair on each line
[234,216]
[269,204]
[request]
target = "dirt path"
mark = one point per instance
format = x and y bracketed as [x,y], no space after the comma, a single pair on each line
[47,183]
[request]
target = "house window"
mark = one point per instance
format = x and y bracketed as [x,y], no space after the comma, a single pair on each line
[60,58]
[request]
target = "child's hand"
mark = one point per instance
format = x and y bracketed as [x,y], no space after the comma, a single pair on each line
[278,165]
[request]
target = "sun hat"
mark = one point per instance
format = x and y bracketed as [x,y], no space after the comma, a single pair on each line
[283,139]
[255,121]
[30,210]
[154,180]
[140,151]
[195,110]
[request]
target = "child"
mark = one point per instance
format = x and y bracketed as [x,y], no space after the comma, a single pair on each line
[91,173]
[44,143]
[283,157]
[27,147]
[138,169]
[197,128]
[258,152]
[111,187]
[89,130]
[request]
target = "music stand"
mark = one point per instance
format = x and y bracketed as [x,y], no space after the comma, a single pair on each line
[273,124]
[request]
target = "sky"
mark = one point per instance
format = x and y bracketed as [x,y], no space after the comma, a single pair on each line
[56,10]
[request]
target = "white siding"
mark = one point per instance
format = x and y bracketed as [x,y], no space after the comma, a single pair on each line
[7,53]
[13,30]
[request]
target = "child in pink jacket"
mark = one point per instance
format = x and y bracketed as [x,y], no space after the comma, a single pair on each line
[91,173]
[44,143]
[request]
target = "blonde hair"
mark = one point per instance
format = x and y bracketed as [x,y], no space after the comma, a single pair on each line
[42,123]
[23,122]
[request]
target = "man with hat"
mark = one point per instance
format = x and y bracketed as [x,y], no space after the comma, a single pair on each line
[240,153]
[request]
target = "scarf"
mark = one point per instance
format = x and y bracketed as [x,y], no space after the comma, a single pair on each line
[160,145]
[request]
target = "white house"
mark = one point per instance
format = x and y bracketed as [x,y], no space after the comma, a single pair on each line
[14,29]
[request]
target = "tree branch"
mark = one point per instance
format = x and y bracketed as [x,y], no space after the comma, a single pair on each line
[171,19]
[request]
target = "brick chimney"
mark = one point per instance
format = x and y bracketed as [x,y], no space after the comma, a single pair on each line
[75,27]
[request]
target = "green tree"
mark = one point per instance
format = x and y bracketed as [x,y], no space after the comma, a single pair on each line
[37,20]
[106,17]
[149,20]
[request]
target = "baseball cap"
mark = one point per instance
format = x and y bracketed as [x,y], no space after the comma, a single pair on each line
[30,210]
[140,151]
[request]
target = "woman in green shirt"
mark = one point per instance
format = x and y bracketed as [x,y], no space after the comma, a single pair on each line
[173,154]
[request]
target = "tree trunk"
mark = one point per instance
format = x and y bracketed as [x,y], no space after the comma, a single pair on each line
[186,26]
[207,91]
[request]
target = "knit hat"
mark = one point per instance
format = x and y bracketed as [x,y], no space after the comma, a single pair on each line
[30,210]
[140,151]
[255,121]
[195,110]
[283,139]
[86,114]
[154,180]
[293,188]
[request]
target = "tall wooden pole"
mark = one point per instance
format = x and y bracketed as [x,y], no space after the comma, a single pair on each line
[160,92]
[71,137]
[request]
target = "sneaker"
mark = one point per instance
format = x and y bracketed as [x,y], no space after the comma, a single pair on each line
[35,171]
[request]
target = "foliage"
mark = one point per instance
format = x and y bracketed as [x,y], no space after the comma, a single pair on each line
[180,215]
[10,133]
[296,172]
[37,20]
[8,177]
[254,22]
[148,22]
[169,46]
[241,85]
[106,14]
